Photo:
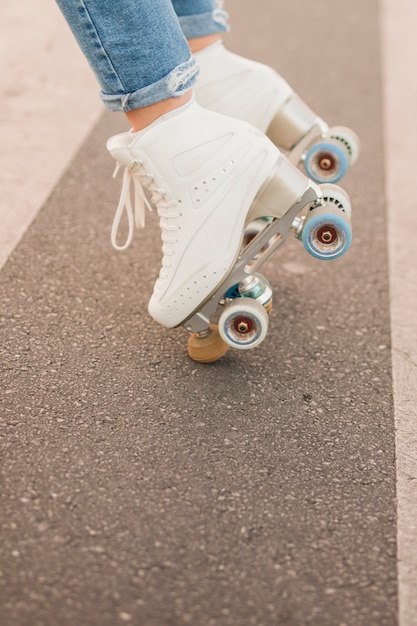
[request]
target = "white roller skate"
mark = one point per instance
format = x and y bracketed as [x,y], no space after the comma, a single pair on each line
[236,314]
[210,176]
[251,91]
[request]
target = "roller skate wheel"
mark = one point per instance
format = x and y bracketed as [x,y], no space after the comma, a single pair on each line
[326,161]
[348,138]
[327,233]
[333,195]
[243,324]
[207,348]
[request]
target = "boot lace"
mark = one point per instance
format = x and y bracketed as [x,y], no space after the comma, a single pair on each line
[136,174]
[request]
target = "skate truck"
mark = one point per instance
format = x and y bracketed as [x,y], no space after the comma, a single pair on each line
[236,314]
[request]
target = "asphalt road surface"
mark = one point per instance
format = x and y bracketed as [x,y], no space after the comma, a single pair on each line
[140,487]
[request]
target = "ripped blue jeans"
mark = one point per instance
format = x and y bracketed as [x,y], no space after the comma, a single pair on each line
[138,49]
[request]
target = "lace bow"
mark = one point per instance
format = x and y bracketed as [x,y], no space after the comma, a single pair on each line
[136,215]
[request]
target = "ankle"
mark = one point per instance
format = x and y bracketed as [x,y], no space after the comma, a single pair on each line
[199,43]
[143,117]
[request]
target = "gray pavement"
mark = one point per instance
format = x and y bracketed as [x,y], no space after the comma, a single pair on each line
[140,487]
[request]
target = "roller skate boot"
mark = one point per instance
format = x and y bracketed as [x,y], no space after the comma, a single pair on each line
[251,91]
[209,176]
[203,171]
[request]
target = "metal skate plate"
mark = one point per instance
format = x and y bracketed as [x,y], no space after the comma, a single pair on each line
[250,259]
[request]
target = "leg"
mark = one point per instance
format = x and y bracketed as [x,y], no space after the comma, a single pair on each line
[202,21]
[136,49]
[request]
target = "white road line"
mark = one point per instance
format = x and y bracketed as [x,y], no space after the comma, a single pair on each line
[399,54]
[49,102]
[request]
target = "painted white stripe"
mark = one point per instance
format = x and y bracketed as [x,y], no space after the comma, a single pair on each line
[49,102]
[399,54]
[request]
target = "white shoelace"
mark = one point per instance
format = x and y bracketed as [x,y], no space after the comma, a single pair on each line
[137,174]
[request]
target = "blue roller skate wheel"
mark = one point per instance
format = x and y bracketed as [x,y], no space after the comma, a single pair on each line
[326,162]
[326,235]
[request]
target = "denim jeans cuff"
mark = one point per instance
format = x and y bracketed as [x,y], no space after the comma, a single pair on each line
[204,23]
[175,84]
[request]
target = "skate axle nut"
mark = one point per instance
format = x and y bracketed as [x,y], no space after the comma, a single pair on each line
[327,162]
[243,325]
[326,234]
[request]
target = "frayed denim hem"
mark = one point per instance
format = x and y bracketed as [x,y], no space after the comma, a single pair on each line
[174,85]
[203,24]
